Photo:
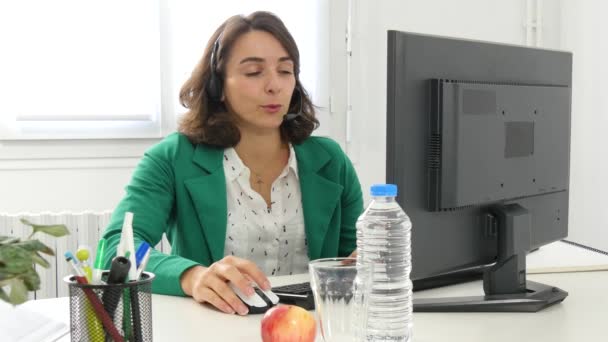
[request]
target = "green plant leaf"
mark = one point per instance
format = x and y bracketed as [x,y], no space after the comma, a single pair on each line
[40,260]
[35,246]
[4,277]
[26,222]
[17,259]
[18,292]
[7,240]
[4,296]
[31,279]
[56,230]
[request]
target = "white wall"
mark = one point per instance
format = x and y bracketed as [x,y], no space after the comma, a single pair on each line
[72,175]
[568,25]
[583,32]
[40,176]
[495,20]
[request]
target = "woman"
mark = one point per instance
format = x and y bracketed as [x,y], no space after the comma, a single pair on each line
[242,191]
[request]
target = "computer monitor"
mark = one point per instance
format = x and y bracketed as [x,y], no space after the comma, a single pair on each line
[478,143]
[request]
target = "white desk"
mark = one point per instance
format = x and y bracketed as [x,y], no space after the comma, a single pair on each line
[582,316]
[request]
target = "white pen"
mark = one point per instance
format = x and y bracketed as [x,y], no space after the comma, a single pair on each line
[127,243]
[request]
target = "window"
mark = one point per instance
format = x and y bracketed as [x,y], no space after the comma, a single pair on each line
[113,69]
[79,69]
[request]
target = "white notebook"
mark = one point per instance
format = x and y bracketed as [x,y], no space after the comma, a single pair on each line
[562,256]
[20,324]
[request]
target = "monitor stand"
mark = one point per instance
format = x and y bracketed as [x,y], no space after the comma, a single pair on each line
[504,284]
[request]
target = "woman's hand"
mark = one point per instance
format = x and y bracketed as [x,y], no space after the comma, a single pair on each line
[352,255]
[210,284]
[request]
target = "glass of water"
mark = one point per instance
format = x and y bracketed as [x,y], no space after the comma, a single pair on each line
[341,290]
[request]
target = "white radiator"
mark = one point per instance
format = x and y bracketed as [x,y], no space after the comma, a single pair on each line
[85,229]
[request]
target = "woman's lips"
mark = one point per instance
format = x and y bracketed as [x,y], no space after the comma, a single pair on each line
[272,108]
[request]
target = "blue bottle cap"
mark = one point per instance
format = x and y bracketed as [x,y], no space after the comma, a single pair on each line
[387,190]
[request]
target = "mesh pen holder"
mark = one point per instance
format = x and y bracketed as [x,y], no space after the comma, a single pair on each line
[111,312]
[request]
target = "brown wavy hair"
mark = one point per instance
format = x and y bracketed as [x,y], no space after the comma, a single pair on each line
[208,121]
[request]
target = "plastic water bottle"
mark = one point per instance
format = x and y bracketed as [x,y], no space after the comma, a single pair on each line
[383,239]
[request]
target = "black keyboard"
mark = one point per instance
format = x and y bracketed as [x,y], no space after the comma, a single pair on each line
[299,294]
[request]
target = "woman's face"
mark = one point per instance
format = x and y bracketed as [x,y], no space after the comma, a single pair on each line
[258,82]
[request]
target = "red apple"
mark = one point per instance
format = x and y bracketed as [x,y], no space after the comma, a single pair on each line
[288,323]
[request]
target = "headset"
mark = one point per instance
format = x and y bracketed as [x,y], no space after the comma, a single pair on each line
[291,116]
[215,84]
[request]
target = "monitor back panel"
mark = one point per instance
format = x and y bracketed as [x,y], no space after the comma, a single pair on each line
[452,238]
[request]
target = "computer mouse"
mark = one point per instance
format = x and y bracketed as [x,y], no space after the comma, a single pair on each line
[259,302]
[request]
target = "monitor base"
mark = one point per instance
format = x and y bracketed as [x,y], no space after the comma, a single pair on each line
[538,296]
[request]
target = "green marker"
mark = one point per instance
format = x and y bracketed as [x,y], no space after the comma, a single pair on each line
[101,250]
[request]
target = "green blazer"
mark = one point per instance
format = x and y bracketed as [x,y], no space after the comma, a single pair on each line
[180,189]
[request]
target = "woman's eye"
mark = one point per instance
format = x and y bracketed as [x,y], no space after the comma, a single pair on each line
[253,73]
[286,72]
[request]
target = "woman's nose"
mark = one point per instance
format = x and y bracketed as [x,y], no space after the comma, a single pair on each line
[273,84]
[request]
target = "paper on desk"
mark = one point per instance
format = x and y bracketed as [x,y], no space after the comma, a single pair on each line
[19,324]
[558,257]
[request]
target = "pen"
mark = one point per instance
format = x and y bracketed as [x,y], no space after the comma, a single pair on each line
[139,255]
[126,308]
[118,274]
[142,265]
[97,268]
[119,270]
[94,326]
[127,255]
[127,327]
[69,257]
[75,264]
[137,333]
[131,297]
[127,243]
[142,261]
[82,254]
[98,308]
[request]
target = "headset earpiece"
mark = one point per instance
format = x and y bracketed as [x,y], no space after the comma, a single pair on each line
[297,97]
[215,84]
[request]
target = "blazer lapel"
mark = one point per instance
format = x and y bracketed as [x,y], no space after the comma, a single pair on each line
[320,197]
[208,193]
